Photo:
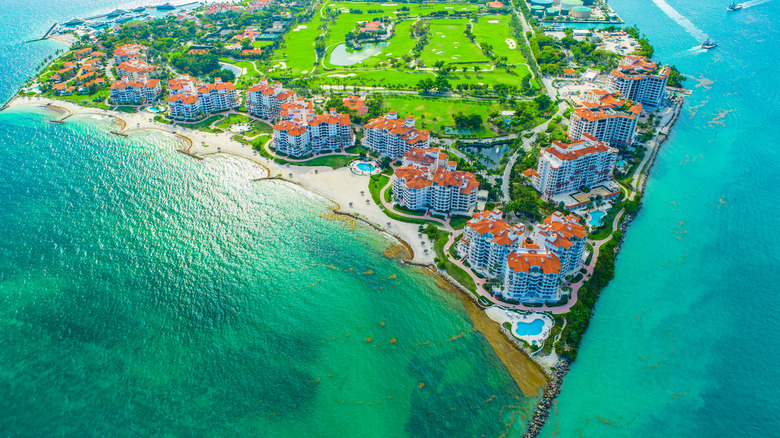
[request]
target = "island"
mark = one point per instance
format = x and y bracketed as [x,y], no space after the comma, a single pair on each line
[505,151]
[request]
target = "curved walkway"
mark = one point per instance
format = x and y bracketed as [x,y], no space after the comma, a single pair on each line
[267,147]
[446,226]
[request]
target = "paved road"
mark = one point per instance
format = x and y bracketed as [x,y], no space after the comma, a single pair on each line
[527,142]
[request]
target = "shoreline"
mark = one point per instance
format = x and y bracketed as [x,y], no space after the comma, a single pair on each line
[339,187]
[531,374]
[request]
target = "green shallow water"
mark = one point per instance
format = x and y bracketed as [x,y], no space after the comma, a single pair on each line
[146,293]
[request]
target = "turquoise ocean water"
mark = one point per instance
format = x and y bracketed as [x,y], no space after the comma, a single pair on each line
[684,340]
[143,293]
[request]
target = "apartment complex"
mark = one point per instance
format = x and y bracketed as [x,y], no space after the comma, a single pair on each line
[564,168]
[129,51]
[606,117]
[487,242]
[134,69]
[532,274]
[265,101]
[564,237]
[392,136]
[640,80]
[429,181]
[302,132]
[135,91]
[189,98]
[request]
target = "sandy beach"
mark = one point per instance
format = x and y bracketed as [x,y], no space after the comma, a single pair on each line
[340,186]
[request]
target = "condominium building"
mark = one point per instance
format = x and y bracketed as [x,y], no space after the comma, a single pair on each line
[432,158]
[606,117]
[265,100]
[302,132]
[640,80]
[129,51]
[135,91]
[134,69]
[565,168]
[533,274]
[392,136]
[219,96]
[190,99]
[565,237]
[429,183]
[184,106]
[487,242]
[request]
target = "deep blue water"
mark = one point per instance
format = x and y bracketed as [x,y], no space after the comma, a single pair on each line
[683,340]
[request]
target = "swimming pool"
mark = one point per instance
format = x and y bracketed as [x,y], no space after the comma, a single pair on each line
[595,218]
[532,328]
[366,167]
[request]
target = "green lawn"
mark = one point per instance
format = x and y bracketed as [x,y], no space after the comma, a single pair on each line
[407,79]
[435,113]
[458,221]
[232,119]
[203,125]
[496,35]
[454,270]
[334,161]
[447,42]
[415,9]
[83,99]
[298,51]
[372,78]
[499,76]
[375,186]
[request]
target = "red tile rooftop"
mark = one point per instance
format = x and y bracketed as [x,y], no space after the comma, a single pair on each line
[523,262]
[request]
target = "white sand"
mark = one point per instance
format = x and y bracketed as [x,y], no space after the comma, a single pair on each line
[340,186]
[299,27]
[493,21]
[511,43]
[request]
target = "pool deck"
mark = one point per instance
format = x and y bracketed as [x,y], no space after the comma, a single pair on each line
[502,315]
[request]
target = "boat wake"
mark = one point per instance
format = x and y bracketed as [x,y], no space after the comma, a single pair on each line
[695,50]
[682,21]
[752,3]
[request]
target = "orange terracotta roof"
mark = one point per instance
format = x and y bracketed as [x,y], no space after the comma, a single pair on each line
[524,261]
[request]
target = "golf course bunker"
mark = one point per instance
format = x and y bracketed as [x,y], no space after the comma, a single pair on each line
[299,27]
[511,43]
[493,21]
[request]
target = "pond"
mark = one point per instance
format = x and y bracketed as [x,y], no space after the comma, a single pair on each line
[492,155]
[234,68]
[342,56]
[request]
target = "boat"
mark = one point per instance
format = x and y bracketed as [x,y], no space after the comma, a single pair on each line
[734,7]
[166,7]
[74,21]
[139,9]
[116,13]
[123,18]
[709,44]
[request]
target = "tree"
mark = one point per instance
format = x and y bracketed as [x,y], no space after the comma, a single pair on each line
[425,85]
[543,101]
[246,43]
